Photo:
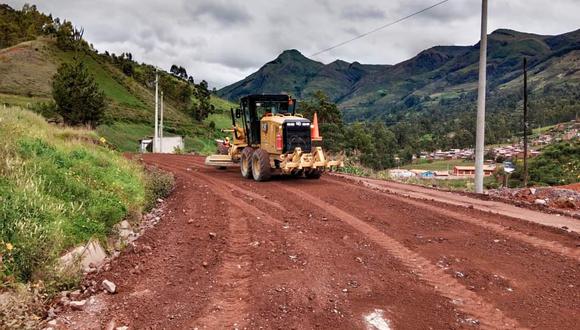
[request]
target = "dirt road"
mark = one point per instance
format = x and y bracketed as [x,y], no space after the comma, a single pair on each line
[334,254]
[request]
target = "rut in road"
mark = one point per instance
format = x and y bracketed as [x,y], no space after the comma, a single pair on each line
[534,241]
[568,274]
[443,283]
[468,301]
[327,263]
[228,307]
[540,278]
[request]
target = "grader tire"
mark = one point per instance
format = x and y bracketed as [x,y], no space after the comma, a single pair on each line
[246,162]
[313,174]
[261,170]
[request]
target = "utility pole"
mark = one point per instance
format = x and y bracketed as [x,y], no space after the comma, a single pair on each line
[526,124]
[155,137]
[161,126]
[480,129]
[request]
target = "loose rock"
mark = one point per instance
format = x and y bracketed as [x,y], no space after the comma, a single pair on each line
[78,305]
[109,286]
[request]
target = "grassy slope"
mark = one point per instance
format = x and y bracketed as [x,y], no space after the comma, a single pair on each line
[26,72]
[58,188]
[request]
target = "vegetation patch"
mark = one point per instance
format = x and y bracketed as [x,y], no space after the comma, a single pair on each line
[58,188]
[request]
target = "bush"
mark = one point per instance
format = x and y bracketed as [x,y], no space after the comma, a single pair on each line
[558,164]
[159,185]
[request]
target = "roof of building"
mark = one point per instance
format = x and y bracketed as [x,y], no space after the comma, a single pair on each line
[472,168]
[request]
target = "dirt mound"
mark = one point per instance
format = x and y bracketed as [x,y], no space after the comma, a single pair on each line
[574,186]
[564,197]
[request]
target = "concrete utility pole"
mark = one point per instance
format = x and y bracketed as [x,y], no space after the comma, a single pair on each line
[526,125]
[155,138]
[480,129]
[161,126]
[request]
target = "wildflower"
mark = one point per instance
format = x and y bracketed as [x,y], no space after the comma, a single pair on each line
[103,140]
[9,246]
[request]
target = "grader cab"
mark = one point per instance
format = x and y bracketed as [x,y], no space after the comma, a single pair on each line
[269,137]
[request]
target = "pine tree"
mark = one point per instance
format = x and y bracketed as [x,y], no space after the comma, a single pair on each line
[78,98]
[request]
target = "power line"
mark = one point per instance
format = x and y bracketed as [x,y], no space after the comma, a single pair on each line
[378,28]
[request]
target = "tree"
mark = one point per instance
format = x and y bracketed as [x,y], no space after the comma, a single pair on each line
[78,98]
[327,112]
[203,107]
[174,70]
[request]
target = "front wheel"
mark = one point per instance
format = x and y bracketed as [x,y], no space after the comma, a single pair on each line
[246,162]
[261,169]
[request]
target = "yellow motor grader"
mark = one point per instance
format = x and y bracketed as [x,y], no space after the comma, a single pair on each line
[269,137]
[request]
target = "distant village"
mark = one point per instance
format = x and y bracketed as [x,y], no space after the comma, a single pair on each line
[494,156]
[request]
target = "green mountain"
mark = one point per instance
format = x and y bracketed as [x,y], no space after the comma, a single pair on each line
[30,54]
[439,84]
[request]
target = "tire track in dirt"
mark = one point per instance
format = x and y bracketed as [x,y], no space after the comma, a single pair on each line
[449,198]
[228,307]
[469,302]
[502,230]
[534,286]
[417,289]
[520,304]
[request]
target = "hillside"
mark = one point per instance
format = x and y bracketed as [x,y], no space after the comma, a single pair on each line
[439,84]
[26,72]
[32,56]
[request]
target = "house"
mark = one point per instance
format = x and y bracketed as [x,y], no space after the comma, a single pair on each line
[167,144]
[400,174]
[427,174]
[470,170]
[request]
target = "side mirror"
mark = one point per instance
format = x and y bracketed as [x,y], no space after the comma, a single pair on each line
[238,113]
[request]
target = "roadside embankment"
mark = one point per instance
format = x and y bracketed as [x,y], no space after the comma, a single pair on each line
[59,188]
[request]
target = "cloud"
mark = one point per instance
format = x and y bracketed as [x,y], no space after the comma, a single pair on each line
[224,41]
[224,13]
[356,13]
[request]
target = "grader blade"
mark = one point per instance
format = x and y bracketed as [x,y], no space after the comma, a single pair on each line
[219,161]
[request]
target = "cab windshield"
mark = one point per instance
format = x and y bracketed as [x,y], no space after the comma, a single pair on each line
[272,107]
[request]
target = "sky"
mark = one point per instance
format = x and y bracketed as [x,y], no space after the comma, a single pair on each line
[225,41]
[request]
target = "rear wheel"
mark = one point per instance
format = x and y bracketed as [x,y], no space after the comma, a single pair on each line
[246,162]
[313,174]
[261,170]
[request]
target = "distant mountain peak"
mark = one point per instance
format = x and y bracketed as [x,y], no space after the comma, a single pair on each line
[291,53]
[370,91]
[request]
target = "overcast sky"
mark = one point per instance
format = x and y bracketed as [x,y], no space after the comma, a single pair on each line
[225,41]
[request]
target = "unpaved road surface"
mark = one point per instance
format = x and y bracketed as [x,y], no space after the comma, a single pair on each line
[334,254]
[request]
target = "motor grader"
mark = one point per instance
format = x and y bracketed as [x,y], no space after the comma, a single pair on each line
[269,137]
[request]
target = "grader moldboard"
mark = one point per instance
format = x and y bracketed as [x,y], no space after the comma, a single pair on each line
[269,137]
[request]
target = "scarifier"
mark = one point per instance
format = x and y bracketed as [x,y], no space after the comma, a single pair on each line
[269,137]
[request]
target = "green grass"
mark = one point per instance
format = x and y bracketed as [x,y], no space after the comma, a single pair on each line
[437,165]
[222,105]
[220,120]
[58,188]
[111,87]
[21,101]
[125,136]
[542,130]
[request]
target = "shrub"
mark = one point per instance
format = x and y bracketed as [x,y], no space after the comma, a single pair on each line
[159,185]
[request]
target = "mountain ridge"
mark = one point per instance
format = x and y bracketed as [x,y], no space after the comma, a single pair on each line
[369,91]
